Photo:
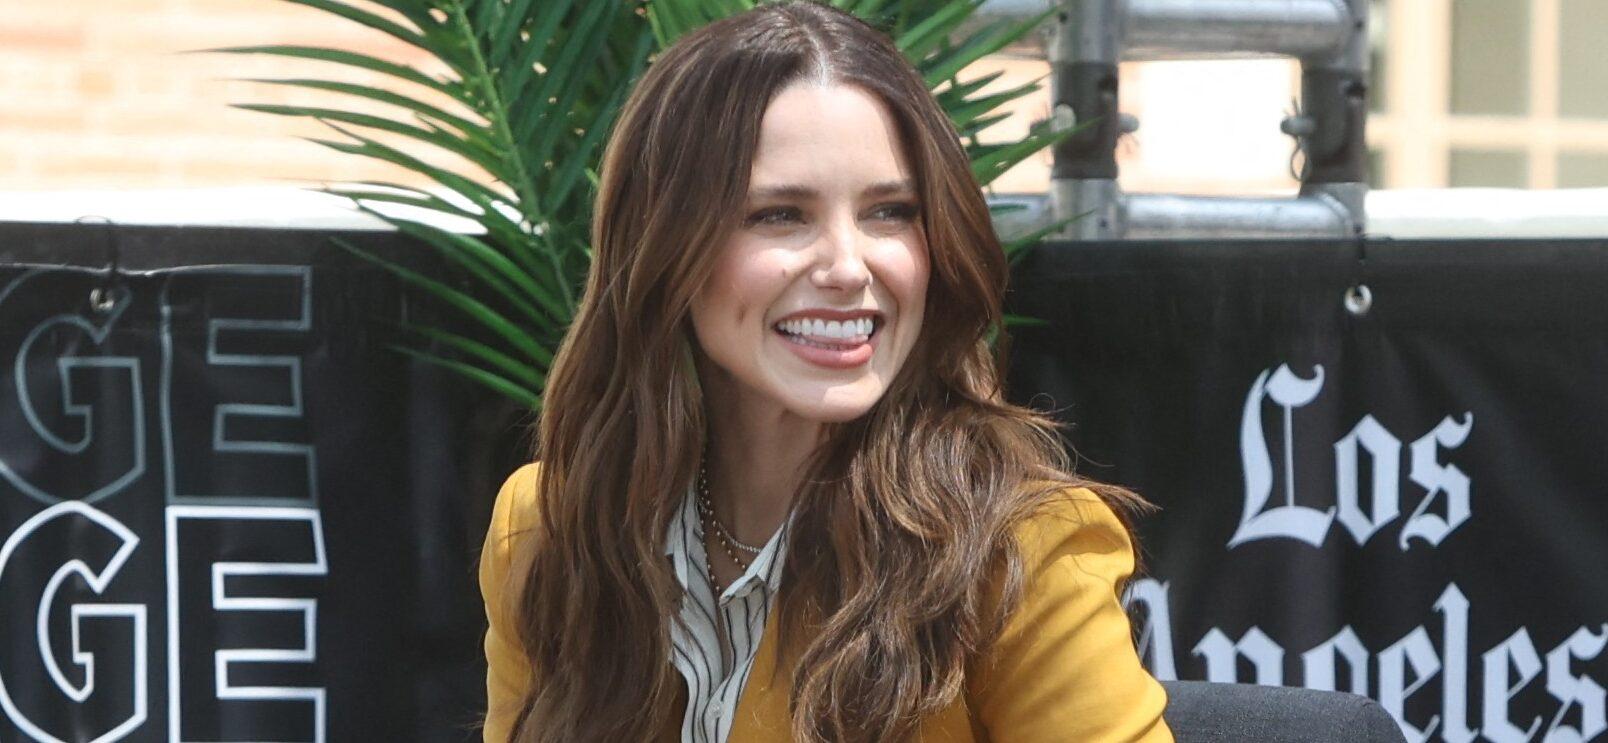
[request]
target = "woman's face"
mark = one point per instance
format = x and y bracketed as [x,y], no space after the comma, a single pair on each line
[829,245]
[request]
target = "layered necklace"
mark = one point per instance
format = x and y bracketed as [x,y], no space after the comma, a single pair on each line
[723,537]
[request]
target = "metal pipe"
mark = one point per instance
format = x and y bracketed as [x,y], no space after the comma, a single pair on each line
[1086,31]
[1168,29]
[1093,203]
[1090,37]
[1169,216]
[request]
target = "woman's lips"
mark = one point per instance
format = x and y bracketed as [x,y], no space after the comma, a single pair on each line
[831,355]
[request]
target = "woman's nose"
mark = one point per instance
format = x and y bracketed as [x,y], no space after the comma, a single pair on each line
[842,259]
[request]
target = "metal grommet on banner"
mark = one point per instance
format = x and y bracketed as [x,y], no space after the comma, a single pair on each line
[1358,300]
[100,298]
[103,298]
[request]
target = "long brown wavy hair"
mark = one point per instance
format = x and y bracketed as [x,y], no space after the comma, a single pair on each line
[904,566]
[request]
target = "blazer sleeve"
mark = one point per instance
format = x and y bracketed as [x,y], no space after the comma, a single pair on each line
[1065,667]
[507,669]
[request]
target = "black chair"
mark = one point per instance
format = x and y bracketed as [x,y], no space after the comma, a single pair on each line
[1204,712]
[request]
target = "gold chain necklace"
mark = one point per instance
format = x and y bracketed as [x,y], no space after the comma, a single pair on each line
[721,531]
[712,524]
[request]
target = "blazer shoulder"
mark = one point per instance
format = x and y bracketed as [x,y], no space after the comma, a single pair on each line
[513,516]
[515,509]
[507,669]
[1065,666]
[1077,523]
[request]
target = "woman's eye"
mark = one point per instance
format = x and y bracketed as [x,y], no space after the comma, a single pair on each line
[770,216]
[900,211]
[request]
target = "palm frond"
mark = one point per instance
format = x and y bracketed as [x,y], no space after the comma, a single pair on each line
[412,36]
[966,111]
[475,309]
[416,106]
[495,382]
[1024,321]
[350,59]
[991,38]
[919,41]
[1016,248]
[991,161]
[954,93]
[515,369]
[670,19]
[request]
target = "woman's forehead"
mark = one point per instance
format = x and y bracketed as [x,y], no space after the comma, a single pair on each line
[804,114]
[838,135]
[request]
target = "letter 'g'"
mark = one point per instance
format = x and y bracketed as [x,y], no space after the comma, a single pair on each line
[100,546]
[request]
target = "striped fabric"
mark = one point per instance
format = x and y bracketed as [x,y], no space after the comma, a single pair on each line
[716,672]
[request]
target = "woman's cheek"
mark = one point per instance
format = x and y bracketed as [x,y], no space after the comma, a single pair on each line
[753,282]
[906,274]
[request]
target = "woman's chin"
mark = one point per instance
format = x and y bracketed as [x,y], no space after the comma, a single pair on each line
[837,404]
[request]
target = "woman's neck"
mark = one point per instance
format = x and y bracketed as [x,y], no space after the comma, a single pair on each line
[757,453]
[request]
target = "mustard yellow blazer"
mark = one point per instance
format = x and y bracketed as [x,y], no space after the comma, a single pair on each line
[1065,668]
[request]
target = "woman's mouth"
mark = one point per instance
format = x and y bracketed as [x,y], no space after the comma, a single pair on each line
[836,345]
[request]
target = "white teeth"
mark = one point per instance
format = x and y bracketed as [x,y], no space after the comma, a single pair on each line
[858,327]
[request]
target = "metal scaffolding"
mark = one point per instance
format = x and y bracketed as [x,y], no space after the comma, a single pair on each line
[1088,38]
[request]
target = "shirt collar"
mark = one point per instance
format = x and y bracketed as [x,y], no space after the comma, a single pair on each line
[685,548]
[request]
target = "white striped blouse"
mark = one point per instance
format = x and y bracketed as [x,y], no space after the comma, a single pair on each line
[716,675]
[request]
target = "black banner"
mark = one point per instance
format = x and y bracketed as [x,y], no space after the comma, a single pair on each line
[227,511]
[1383,466]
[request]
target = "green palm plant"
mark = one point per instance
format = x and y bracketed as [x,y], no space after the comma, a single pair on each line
[530,89]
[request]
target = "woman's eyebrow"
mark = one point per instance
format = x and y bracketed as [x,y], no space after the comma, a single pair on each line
[802,192]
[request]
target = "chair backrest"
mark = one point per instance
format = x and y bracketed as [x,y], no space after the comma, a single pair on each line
[1204,712]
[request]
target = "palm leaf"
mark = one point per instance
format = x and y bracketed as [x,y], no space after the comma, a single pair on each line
[953,91]
[412,36]
[1024,321]
[968,110]
[475,152]
[513,368]
[1016,248]
[475,309]
[990,161]
[565,178]
[348,59]
[518,288]
[990,39]
[496,383]
[364,192]
[919,41]
[670,19]
[419,108]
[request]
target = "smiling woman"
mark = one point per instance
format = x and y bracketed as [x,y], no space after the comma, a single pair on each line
[831,240]
[779,493]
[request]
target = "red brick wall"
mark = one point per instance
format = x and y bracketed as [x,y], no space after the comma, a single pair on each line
[100,94]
